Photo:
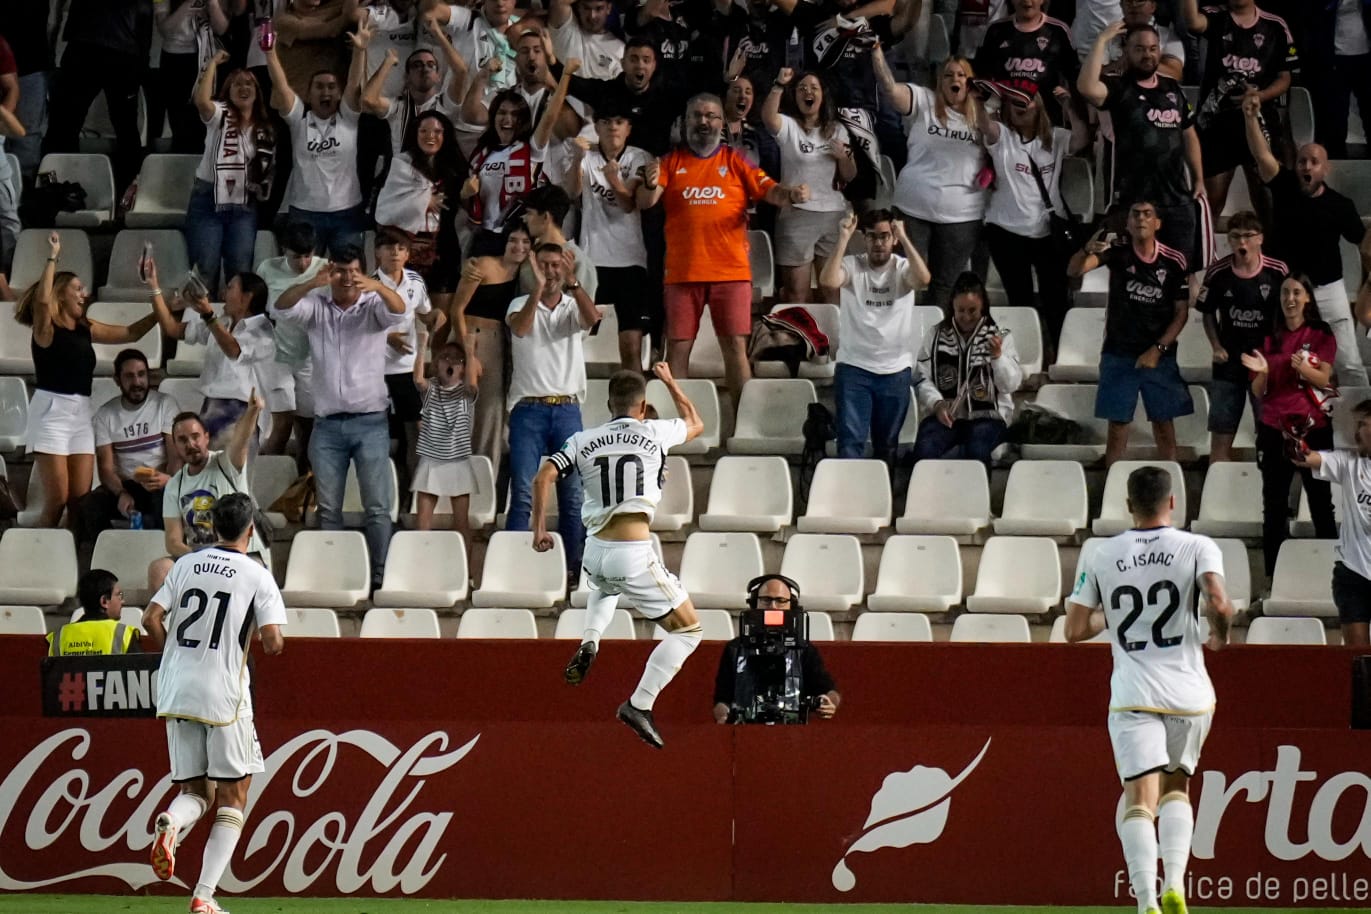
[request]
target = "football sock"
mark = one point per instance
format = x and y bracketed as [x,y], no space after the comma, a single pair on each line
[663,664]
[223,838]
[1138,833]
[185,811]
[1175,827]
[599,613]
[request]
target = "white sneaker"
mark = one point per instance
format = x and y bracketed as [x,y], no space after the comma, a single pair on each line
[164,847]
[205,906]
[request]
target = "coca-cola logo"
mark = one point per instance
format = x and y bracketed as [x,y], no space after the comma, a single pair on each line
[274,844]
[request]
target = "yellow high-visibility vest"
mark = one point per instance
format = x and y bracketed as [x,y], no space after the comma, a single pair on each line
[95,636]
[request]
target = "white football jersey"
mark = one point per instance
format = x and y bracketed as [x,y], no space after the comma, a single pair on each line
[214,599]
[622,465]
[1148,582]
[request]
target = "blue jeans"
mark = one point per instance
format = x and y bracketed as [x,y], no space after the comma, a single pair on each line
[535,431]
[213,235]
[363,439]
[333,229]
[32,112]
[870,404]
[977,438]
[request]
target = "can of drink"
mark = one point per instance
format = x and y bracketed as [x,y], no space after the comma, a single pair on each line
[266,34]
[136,520]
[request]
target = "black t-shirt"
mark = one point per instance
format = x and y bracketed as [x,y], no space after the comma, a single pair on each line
[1306,229]
[817,681]
[1150,120]
[124,26]
[765,37]
[650,113]
[1043,58]
[676,39]
[1242,308]
[1238,56]
[1142,297]
[851,77]
[24,24]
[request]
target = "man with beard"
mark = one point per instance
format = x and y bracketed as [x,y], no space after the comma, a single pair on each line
[422,91]
[1031,48]
[535,81]
[1093,16]
[1308,220]
[651,105]
[579,31]
[133,451]
[1156,149]
[708,187]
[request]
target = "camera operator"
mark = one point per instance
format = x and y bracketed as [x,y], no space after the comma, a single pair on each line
[741,668]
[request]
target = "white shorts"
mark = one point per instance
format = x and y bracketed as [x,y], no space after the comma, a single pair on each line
[304,390]
[226,753]
[276,384]
[1145,742]
[632,569]
[59,424]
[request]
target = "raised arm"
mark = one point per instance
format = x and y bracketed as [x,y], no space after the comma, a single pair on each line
[170,325]
[543,134]
[474,109]
[1088,83]
[243,430]
[373,101]
[357,66]
[393,302]
[128,333]
[906,16]
[472,277]
[203,95]
[900,95]
[558,13]
[1194,20]
[218,19]
[282,95]
[917,273]
[651,191]
[694,424]
[456,64]
[987,125]
[45,302]
[771,108]
[291,297]
[574,180]
[833,276]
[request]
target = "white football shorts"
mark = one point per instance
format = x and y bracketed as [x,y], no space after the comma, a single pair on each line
[225,753]
[1145,741]
[633,569]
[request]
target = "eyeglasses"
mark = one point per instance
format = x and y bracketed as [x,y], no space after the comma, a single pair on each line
[1243,236]
[773,601]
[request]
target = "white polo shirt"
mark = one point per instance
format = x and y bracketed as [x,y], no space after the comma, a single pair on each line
[549,360]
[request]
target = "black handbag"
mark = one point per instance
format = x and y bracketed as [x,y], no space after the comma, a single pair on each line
[1068,234]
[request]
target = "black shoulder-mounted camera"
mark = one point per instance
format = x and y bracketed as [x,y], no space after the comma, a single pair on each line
[769,688]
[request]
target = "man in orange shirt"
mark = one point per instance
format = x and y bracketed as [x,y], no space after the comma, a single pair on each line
[707,188]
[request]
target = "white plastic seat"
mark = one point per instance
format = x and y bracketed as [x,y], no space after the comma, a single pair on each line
[515,575]
[1301,115]
[38,567]
[185,391]
[31,256]
[677,507]
[820,626]
[497,623]
[595,406]
[1352,178]
[132,616]
[763,263]
[96,177]
[1194,355]
[1266,630]
[1192,432]
[168,249]
[33,499]
[264,247]
[918,574]
[164,185]
[14,408]
[1231,502]
[16,358]
[1044,498]
[480,507]
[312,622]
[354,515]
[949,497]
[828,568]
[1303,524]
[972,628]
[1114,517]
[715,568]
[717,625]
[119,313]
[1237,572]
[1303,582]
[1077,187]
[1058,634]
[1018,574]
[1078,349]
[327,568]
[706,358]
[601,349]
[424,569]
[749,493]
[102,390]
[400,623]
[572,624]
[127,554]
[1027,332]
[22,620]
[826,319]
[771,416]
[269,475]
[705,396]
[848,496]
[873,626]
[1077,403]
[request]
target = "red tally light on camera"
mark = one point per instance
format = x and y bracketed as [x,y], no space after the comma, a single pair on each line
[774,617]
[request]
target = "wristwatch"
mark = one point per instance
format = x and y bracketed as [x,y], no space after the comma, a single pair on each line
[1163,348]
[572,286]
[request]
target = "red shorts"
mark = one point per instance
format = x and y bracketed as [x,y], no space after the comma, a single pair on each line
[730,308]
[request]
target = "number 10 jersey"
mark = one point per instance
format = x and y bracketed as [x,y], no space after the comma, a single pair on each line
[1148,582]
[622,466]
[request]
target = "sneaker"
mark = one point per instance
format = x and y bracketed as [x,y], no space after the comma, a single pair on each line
[641,723]
[1173,902]
[164,847]
[206,906]
[579,666]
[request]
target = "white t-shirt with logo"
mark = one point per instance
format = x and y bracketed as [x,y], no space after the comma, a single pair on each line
[1352,473]
[601,56]
[876,319]
[938,182]
[136,434]
[411,288]
[325,153]
[807,158]
[549,360]
[190,498]
[611,237]
[1016,204]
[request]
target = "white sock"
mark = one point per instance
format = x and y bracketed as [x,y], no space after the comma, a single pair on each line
[185,811]
[663,664]
[1138,833]
[223,838]
[599,613]
[1175,827]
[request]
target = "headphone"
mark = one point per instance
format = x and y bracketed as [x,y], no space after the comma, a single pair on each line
[755,585]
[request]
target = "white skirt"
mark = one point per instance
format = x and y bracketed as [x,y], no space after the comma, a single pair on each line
[59,424]
[445,477]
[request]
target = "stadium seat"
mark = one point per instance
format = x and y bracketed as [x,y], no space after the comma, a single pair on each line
[971,628]
[581,595]
[716,623]
[497,623]
[715,568]
[354,515]
[1231,502]
[1077,187]
[1018,574]
[820,626]
[22,620]
[1237,572]
[312,622]
[1044,498]
[1266,630]
[848,496]
[706,358]
[16,358]
[119,313]
[595,406]
[1303,524]
[185,391]
[31,257]
[400,623]
[38,567]
[705,396]
[1114,517]
[1352,178]
[1239,197]
[102,390]
[771,416]
[763,265]
[949,497]
[918,574]
[1194,355]
[269,475]
[826,318]
[1344,423]
[515,575]
[1301,115]
[749,493]
[14,412]
[1078,350]
[264,247]
[33,498]
[677,507]
[572,624]
[601,348]
[164,185]
[132,616]
[424,569]
[1024,328]
[892,627]
[1058,634]
[481,508]
[1077,403]
[96,177]
[1302,584]
[828,568]
[169,251]
[1192,433]
[327,568]
[128,553]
